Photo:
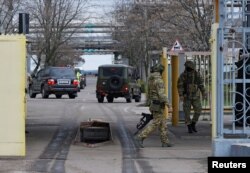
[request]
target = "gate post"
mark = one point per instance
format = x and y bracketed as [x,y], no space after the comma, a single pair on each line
[175,95]
[12,92]
[164,62]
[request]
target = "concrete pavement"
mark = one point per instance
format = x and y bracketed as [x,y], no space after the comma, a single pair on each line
[190,151]
[189,154]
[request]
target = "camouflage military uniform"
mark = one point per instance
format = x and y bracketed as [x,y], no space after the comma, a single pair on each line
[158,100]
[190,84]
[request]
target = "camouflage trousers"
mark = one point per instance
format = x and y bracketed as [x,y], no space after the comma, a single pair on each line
[196,104]
[160,122]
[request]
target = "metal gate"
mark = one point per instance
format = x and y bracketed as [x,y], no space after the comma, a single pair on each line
[233,69]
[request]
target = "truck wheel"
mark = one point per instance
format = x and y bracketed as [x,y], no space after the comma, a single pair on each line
[100,99]
[129,98]
[115,82]
[137,99]
[110,99]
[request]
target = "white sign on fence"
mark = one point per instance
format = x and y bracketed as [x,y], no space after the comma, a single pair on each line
[177,47]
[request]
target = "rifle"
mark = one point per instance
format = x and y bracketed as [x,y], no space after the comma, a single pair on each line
[146,118]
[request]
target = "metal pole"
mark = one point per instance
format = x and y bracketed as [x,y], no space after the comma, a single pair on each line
[216,11]
[214,77]
[214,55]
[175,97]
[164,62]
[182,60]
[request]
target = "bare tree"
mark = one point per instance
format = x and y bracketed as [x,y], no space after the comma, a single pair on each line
[189,21]
[141,32]
[55,22]
[8,11]
[148,26]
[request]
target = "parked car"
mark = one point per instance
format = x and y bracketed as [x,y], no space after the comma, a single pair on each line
[54,80]
[117,80]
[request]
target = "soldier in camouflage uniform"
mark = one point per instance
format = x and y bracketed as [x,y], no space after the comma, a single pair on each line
[158,100]
[190,84]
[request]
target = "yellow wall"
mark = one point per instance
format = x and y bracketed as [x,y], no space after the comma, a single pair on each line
[12,95]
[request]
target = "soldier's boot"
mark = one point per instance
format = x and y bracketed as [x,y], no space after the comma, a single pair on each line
[139,141]
[167,144]
[190,128]
[193,126]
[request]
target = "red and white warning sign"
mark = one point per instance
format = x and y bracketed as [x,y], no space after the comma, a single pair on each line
[177,47]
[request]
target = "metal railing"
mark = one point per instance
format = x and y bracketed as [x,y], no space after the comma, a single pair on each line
[233,68]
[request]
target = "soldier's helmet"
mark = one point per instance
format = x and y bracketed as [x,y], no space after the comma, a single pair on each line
[157,68]
[190,64]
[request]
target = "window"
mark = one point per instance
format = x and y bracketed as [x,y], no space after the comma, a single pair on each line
[109,71]
[62,72]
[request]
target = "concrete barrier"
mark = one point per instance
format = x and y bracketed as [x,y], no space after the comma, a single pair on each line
[240,150]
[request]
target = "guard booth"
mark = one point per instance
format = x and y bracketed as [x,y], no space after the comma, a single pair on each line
[12,92]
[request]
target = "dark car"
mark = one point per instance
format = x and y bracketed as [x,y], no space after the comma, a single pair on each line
[54,80]
[117,80]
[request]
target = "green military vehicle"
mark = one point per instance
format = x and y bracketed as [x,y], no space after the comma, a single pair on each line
[117,80]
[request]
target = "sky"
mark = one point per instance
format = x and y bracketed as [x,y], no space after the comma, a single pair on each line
[99,13]
[92,62]
[99,9]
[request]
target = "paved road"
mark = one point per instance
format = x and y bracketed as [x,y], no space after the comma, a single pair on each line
[52,125]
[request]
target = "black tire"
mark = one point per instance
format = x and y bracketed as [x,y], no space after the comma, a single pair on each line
[58,96]
[44,93]
[110,99]
[137,99]
[72,96]
[100,99]
[115,82]
[82,86]
[129,98]
[31,93]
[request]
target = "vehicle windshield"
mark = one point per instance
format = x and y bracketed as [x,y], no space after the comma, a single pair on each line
[62,72]
[109,71]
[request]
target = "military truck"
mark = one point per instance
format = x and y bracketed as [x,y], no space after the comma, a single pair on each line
[117,80]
